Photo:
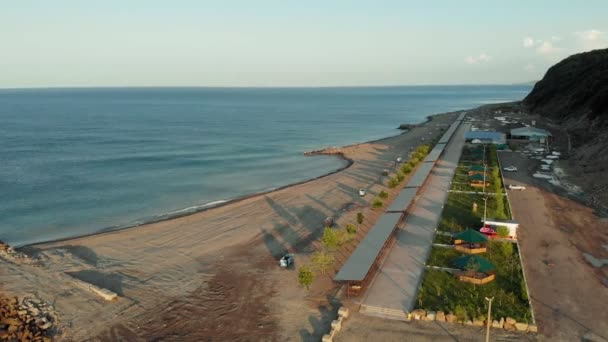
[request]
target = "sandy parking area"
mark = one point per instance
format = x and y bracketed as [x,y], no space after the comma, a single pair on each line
[568,297]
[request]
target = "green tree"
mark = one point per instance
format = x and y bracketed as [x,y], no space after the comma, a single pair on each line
[305,276]
[377,203]
[330,239]
[322,261]
[360,218]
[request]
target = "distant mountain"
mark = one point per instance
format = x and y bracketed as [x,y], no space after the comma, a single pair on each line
[575,89]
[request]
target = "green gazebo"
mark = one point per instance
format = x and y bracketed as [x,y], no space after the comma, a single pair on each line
[470,241]
[475,269]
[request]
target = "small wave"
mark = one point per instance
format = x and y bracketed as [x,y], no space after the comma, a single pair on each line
[196,208]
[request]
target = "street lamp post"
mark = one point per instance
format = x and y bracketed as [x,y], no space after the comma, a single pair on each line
[489,319]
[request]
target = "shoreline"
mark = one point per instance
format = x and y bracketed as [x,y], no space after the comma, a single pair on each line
[222,203]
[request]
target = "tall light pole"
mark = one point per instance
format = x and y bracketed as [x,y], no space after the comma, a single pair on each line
[489,319]
[485,196]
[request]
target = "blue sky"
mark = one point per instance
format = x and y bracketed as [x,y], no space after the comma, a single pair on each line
[290,43]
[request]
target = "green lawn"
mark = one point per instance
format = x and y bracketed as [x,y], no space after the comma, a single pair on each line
[443,239]
[442,291]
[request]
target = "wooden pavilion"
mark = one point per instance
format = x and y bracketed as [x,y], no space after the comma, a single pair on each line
[475,269]
[470,241]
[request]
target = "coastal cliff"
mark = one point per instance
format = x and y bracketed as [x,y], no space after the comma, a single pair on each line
[573,94]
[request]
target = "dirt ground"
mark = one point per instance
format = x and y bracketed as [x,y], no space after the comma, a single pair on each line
[212,276]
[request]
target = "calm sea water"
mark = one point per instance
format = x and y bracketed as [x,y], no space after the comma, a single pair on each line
[76,161]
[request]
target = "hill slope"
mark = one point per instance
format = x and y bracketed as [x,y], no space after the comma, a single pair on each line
[574,89]
[574,95]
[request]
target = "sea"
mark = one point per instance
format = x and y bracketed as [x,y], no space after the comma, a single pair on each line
[75,161]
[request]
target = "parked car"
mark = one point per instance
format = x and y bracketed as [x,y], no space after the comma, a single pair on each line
[286,260]
[510,168]
[516,187]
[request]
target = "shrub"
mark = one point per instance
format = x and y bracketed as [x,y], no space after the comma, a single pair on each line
[351,228]
[360,218]
[502,231]
[322,261]
[377,203]
[400,176]
[461,313]
[343,237]
[414,161]
[330,239]
[305,276]
[406,168]
[383,194]
[393,182]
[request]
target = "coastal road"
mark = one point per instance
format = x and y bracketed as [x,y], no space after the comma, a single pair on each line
[567,295]
[396,283]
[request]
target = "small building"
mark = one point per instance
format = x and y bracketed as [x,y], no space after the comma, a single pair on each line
[530,133]
[474,269]
[485,137]
[470,241]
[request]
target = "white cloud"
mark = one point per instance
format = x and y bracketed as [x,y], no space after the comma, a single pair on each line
[590,35]
[556,38]
[592,39]
[530,67]
[482,58]
[528,42]
[546,48]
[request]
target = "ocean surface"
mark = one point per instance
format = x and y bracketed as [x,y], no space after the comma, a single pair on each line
[77,161]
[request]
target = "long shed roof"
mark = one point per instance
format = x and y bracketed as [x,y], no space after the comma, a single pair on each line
[403,201]
[530,131]
[364,256]
[433,156]
[419,177]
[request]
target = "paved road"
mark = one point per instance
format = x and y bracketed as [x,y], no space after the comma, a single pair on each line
[569,301]
[396,283]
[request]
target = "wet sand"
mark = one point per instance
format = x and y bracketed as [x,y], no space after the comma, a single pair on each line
[211,274]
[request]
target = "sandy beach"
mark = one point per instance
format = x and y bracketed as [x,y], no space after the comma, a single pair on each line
[212,275]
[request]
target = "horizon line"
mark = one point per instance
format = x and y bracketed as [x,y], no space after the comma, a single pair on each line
[265,87]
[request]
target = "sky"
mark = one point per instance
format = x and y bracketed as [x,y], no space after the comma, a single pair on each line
[267,43]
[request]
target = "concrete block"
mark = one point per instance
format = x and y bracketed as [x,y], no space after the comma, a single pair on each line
[468,322]
[521,326]
[326,338]
[510,320]
[440,316]
[496,324]
[532,328]
[336,325]
[502,322]
[450,318]
[430,316]
[418,314]
[343,312]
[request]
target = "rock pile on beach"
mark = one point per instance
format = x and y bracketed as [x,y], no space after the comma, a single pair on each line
[26,319]
[9,253]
